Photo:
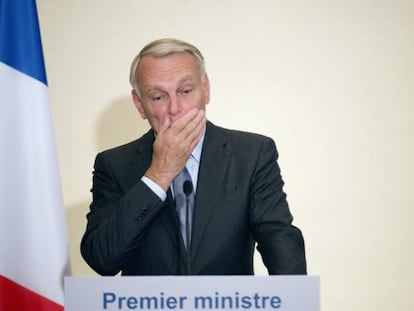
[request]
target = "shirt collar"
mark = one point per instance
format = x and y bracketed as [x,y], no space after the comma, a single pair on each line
[196,154]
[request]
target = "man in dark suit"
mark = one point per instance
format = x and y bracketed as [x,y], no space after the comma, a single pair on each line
[135,224]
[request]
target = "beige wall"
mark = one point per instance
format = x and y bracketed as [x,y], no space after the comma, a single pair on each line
[331,81]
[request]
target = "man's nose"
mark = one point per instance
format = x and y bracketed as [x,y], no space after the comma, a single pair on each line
[174,105]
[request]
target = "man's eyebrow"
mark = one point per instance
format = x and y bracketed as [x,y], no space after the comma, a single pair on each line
[185,79]
[150,89]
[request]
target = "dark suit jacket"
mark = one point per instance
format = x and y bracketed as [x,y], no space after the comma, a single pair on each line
[239,200]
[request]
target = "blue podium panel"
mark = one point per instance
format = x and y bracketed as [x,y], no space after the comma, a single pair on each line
[287,293]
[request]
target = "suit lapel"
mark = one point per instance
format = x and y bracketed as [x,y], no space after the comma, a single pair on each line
[214,160]
[143,149]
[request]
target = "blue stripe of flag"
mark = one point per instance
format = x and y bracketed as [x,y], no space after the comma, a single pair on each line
[20,42]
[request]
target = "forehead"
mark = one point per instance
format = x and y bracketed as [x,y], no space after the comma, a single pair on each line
[171,67]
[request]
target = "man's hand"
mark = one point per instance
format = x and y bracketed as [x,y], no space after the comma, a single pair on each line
[173,146]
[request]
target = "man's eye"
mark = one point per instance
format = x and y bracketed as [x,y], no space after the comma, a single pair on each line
[156,98]
[186,91]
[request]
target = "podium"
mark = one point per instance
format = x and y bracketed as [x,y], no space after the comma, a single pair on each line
[287,293]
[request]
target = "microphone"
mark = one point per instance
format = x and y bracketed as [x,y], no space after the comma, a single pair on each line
[187,189]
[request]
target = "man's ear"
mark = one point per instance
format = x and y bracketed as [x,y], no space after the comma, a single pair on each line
[138,103]
[206,86]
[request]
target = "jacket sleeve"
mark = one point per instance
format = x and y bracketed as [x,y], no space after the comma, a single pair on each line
[280,243]
[117,220]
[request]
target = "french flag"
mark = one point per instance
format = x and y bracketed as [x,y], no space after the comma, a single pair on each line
[33,239]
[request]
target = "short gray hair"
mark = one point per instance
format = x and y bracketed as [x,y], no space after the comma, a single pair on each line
[164,47]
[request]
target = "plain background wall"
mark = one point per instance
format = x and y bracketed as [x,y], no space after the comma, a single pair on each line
[331,81]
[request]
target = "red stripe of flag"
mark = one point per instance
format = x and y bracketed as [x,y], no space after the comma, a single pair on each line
[14,297]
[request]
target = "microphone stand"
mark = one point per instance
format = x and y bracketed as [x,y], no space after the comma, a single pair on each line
[187,189]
